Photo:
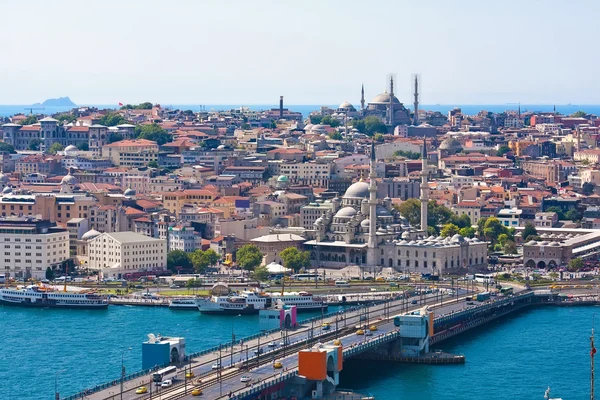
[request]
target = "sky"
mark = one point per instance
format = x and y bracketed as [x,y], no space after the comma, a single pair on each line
[310,51]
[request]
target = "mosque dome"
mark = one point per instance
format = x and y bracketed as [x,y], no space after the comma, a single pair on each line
[382,212]
[282,178]
[346,212]
[129,192]
[346,106]
[7,190]
[357,189]
[458,238]
[384,98]
[90,234]
[71,150]
[308,127]
[365,223]
[68,180]
[451,144]
[318,128]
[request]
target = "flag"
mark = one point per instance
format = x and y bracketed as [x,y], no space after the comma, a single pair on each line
[593,351]
[121,104]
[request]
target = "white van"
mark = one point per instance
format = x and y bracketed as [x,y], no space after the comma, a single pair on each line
[342,284]
[166,383]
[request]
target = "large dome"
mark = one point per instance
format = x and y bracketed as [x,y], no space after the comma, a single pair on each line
[384,98]
[451,144]
[357,190]
[282,178]
[346,106]
[346,212]
[90,234]
[71,150]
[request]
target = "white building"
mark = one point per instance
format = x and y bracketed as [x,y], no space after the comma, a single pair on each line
[184,238]
[31,246]
[119,253]
[510,217]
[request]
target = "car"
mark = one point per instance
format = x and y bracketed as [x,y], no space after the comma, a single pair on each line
[141,390]
[281,343]
[360,332]
[414,302]
[372,328]
[196,392]
[325,326]
[45,281]
[277,365]
[216,365]
[189,375]
[258,351]
[337,342]
[174,287]
[139,286]
[245,378]
[166,383]
[272,344]
[368,333]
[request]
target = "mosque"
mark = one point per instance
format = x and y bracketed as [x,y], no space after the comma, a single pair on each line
[361,230]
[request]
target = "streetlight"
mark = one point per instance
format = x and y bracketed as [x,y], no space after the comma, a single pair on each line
[123,369]
[232,340]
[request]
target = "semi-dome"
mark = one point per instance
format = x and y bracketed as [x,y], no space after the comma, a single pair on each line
[282,178]
[382,212]
[365,223]
[458,238]
[90,234]
[70,150]
[319,128]
[308,127]
[7,190]
[358,189]
[346,212]
[384,98]
[129,192]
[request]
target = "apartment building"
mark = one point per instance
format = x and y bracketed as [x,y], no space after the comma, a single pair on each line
[131,153]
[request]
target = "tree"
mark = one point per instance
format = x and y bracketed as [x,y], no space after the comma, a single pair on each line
[437,215]
[111,119]
[249,257]
[411,155]
[316,119]
[573,215]
[378,137]
[30,120]
[83,146]
[468,232]
[65,117]
[246,126]
[7,148]
[142,106]
[587,188]
[328,120]
[211,256]
[579,114]
[462,221]
[575,264]
[558,210]
[295,259]
[480,226]
[370,125]
[153,164]
[510,247]
[335,136]
[49,274]
[114,137]
[34,144]
[502,151]
[261,273]
[502,239]
[411,210]
[179,258]
[492,229]
[55,148]
[199,260]
[449,230]
[528,231]
[153,132]
[553,275]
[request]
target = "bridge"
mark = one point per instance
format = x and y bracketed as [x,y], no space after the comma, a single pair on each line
[452,316]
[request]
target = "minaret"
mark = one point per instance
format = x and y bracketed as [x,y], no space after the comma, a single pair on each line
[372,203]
[416,119]
[424,189]
[519,116]
[391,120]
[362,97]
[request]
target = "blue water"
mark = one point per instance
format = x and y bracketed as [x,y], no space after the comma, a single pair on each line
[469,109]
[515,358]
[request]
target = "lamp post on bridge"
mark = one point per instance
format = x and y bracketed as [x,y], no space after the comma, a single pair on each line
[232,339]
[123,369]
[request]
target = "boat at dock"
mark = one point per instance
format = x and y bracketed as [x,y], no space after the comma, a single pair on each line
[247,302]
[304,301]
[184,303]
[44,297]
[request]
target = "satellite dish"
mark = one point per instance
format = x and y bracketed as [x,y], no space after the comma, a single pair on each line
[151,338]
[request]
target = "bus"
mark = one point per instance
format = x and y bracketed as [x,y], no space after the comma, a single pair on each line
[307,277]
[163,374]
[481,278]
[342,284]
[483,296]
[507,291]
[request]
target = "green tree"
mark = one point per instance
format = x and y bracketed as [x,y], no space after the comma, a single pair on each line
[411,210]
[573,215]
[114,137]
[335,136]
[179,258]
[316,119]
[370,125]
[411,155]
[49,274]
[34,144]
[7,148]
[502,151]
[295,259]
[587,188]
[449,230]
[328,120]
[510,247]
[249,257]
[558,210]
[579,114]
[55,148]
[553,275]
[575,264]
[261,273]
[153,164]
[480,226]
[502,239]
[468,232]
[83,146]
[378,137]
[211,256]
[30,120]
[462,221]
[111,119]
[246,126]
[65,118]
[153,132]
[199,260]
[492,229]
[142,106]
[529,230]
[437,215]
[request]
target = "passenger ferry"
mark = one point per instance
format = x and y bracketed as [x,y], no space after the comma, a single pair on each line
[246,302]
[39,296]
[303,301]
[184,303]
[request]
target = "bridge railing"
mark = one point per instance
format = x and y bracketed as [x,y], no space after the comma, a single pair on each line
[377,340]
[283,376]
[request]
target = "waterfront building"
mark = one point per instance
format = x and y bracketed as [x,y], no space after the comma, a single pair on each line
[31,246]
[116,254]
[183,238]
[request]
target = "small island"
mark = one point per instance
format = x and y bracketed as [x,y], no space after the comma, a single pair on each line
[59,102]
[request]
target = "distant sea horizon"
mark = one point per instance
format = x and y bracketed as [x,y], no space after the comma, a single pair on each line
[306,109]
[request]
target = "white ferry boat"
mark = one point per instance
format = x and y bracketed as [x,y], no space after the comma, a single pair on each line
[184,303]
[303,301]
[38,296]
[246,302]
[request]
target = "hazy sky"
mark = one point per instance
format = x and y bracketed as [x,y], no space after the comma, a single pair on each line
[312,52]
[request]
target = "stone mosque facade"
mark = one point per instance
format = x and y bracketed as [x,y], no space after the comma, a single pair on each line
[360,229]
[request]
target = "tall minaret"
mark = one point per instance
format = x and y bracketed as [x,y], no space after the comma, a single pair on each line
[372,202]
[424,188]
[391,120]
[416,119]
[362,97]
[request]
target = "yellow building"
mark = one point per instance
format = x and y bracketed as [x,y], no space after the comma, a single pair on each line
[174,201]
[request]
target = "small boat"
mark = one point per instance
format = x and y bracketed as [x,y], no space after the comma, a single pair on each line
[547,395]
[184,303]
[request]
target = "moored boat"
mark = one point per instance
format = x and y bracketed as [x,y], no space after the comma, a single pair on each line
[42,297]
[184,303]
